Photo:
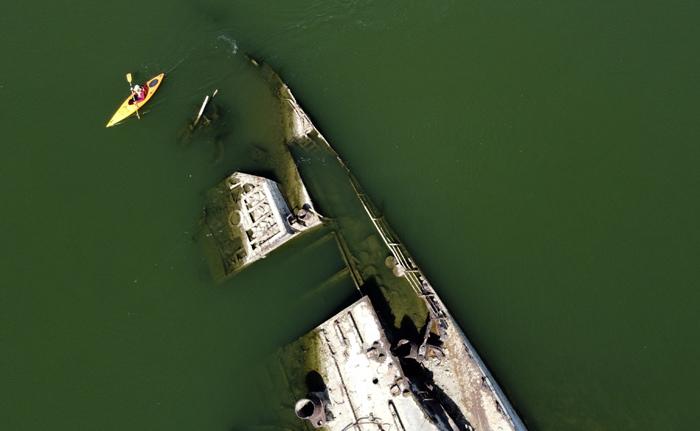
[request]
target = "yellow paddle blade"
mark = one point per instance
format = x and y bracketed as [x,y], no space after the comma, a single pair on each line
[128,77]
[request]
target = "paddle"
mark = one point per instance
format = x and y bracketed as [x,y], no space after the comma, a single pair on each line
[128,79]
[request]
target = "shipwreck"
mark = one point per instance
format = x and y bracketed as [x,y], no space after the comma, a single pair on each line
[395,359]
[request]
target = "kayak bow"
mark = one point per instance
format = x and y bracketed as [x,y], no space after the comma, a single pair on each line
[128,109]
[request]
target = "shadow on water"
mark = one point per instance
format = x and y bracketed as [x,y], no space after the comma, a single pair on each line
[277,288]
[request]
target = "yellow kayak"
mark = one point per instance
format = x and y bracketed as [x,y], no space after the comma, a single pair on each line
[129,107]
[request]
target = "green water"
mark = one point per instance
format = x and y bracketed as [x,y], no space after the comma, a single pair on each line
[539,159]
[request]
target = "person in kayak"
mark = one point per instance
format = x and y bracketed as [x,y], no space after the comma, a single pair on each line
[138,93]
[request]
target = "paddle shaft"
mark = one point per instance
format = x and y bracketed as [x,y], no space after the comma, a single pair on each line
[133,94]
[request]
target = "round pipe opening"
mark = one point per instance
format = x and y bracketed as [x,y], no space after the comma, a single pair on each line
[304,408]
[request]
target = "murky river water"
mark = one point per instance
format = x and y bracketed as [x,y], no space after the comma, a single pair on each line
[539,159]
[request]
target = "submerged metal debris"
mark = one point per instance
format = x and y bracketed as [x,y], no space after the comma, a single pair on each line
[200,113]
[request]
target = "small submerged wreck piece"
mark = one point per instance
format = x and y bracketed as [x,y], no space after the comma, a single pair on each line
[246,217]
[200,113]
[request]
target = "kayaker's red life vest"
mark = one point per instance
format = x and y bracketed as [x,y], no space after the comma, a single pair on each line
[138,99]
